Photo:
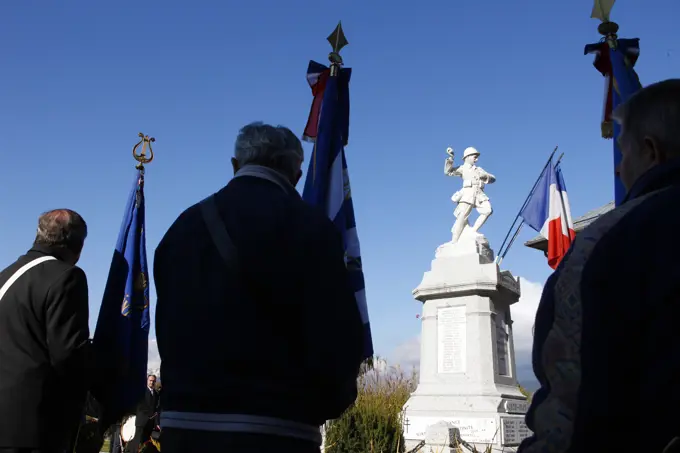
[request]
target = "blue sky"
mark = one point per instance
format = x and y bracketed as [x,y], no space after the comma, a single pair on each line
[80,79]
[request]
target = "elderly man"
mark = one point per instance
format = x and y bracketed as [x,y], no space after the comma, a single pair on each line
[258,330]
[44,339]
[606,342]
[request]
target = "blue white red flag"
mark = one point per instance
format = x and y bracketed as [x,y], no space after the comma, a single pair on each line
[621,82]
[121,338]
[327,184]
[317,77]
[547,211]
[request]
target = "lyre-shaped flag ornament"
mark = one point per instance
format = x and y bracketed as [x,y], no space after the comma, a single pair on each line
[327,184]
[615,58]
[121,338]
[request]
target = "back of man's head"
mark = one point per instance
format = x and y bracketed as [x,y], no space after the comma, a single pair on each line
[275,147]
[650,129]
[62,230]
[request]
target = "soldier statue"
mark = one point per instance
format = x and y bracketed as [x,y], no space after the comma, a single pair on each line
[471,195]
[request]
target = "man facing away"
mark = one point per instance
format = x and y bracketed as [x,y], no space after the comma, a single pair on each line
[44,339]
[145,417]
[606,341]
[258,331]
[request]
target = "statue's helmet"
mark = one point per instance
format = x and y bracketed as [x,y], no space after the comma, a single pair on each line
[470,152]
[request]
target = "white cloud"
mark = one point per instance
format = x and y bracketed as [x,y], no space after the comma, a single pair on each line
[154,362]
[407,354]
[523,316]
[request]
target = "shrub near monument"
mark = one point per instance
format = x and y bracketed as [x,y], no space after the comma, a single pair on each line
[374,423]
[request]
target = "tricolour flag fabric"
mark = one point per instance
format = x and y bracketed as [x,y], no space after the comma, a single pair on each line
[122,334]
[327,184]
[547,211]
[621,82]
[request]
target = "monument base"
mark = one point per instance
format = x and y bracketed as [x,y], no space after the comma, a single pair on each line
[481,428]
[467,364]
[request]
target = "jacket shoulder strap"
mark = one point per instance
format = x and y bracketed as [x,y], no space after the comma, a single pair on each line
[218,232]
[22,270]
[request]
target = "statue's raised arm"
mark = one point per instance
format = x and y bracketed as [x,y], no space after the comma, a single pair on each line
[449,167]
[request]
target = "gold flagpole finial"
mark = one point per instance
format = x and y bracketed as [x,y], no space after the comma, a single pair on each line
[142,157]
[337,40]
[601,10]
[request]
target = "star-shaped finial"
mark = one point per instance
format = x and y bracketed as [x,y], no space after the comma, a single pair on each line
[337,38]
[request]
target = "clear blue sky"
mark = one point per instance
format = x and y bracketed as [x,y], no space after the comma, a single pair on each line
[80,79]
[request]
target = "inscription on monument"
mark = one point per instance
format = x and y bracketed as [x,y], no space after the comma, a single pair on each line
[513,431]
[515,406]
[475,430]
[451,340]
[502,344]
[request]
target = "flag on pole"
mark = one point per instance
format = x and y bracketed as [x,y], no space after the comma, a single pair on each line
[547,211]
[615,59]
[327,184]
[121,337]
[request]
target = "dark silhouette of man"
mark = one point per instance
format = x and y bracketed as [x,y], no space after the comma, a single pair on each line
[44,339]
[258,329]
[145,418]
[606,342]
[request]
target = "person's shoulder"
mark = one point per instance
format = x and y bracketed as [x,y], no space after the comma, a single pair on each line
[314,220]
[642,217]
[61,271]
[74,272]
[630,235]
[180,230]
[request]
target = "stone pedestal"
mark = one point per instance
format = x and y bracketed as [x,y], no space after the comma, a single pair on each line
[467,360]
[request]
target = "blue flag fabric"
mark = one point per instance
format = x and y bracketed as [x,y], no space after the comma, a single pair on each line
[626,83]
[327,184]
[617,66]
[122,334]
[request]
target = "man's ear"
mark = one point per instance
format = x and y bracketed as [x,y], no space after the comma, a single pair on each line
[650,146]
[297,177]
[234,164]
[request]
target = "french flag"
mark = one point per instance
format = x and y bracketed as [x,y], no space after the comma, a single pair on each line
[547,211]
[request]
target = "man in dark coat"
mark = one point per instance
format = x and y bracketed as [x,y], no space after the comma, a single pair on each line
[606,342]
[44,339]
[145,418]
[258,330]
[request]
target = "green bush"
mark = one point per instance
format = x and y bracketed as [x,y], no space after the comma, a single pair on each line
[525,392]
[373,424]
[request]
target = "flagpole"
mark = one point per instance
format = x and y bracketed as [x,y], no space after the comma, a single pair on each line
[337,41]
[328,126]
[526,201]
[615,59]
[122,330]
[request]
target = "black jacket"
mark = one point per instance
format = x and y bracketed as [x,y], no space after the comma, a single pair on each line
[281,338]
[146,408]
[43,352]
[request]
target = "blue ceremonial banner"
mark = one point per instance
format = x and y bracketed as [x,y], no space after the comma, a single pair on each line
[327,184]
[122,335]
[615,59]
[626,83]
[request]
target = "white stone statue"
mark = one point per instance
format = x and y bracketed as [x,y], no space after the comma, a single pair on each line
[471,195]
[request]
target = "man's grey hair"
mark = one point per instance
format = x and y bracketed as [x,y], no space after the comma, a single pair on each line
[61,229]
[276,147]
[654,112]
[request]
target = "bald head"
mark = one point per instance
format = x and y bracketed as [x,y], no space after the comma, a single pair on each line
[63,230]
